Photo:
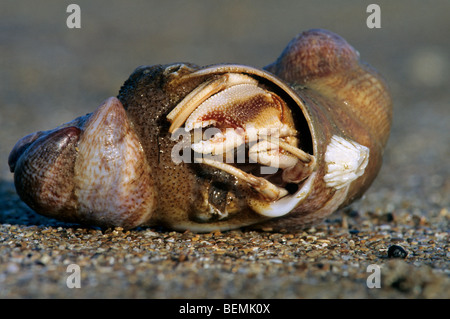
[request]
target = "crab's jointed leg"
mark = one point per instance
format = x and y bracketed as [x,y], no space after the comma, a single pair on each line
[269,191]
[275,152]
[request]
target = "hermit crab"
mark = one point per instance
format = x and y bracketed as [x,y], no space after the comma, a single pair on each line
[217,147]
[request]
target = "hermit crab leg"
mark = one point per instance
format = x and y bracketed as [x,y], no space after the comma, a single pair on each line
[297,152]
[205,90]
[270,191]
[304,157]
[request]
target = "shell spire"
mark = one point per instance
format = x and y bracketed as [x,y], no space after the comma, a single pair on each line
[323,61]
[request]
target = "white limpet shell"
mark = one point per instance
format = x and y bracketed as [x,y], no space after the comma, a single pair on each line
[346,160]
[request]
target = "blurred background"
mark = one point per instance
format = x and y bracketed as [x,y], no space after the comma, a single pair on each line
[50,74]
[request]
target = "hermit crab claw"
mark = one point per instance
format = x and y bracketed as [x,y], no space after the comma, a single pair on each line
[245,113]
[90,170]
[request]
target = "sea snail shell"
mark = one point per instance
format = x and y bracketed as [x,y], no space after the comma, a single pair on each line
[318,119]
